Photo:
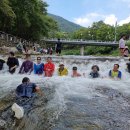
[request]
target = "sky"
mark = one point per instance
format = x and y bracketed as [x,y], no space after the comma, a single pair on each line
[85,12]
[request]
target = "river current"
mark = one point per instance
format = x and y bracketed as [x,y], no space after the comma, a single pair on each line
[71,103]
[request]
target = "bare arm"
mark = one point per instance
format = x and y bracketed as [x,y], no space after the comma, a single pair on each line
[38,90]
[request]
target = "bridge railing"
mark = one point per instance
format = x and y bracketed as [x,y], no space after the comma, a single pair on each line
[79,40]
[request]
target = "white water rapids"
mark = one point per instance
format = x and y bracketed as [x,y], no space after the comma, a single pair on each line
[67,87]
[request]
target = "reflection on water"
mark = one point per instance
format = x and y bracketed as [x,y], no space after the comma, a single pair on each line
[76,103]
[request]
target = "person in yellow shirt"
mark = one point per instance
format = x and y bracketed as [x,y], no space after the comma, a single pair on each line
[62,71]
[115,73]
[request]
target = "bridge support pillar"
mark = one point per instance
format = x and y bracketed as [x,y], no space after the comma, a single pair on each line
[82,51]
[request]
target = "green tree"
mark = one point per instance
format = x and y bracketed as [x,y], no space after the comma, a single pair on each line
[26,18]
[7,15]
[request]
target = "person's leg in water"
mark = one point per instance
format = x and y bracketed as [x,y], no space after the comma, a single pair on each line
[25,102]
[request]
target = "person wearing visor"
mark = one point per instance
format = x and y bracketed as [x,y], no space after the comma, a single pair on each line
[38,67]
[62,71]
[75,73]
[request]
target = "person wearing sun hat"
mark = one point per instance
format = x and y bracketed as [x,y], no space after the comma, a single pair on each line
[62,71]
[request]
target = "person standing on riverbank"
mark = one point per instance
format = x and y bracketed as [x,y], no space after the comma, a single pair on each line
[58,47]
[12,62]
[20,47]
[27,65]
[49,67]
[122,45]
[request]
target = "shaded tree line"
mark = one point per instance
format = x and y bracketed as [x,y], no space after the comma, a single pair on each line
[27,19]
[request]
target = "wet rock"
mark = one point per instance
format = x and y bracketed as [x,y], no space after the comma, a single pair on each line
[2,124]
[35,117]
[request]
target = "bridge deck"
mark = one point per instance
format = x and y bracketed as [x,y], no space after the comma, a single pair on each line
[88,43]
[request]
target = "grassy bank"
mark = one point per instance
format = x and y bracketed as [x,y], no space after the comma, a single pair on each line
[74,51]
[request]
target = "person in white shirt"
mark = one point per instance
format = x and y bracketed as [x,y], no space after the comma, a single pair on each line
[122,45]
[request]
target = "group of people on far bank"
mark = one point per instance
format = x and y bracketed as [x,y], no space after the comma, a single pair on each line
[37,49]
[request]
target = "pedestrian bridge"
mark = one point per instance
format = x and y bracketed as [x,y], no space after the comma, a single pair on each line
[82,43]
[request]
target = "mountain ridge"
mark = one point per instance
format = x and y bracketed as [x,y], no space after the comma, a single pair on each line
[65,25]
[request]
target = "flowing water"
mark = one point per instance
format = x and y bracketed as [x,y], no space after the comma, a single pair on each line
[71,103]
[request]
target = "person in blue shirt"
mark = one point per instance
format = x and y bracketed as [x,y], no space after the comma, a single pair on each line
[26,89]
[25,95]
[39,67]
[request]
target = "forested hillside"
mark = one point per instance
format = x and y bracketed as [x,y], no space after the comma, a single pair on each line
[65,25]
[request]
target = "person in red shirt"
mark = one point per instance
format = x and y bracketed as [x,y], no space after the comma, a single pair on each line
[49,68]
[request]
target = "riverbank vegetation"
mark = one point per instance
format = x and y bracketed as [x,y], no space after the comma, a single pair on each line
[93,50]
[27,19]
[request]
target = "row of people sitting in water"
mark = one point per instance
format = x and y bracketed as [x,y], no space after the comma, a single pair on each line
[48,68]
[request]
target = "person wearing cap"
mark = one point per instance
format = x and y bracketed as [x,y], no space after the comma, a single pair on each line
[49,67]
[27,65]
[126,51]
[95,72]
[62,71]
[39,67]
[115,73]
[12,62]
[75,73]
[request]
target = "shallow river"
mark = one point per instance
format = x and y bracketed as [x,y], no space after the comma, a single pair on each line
[71,103]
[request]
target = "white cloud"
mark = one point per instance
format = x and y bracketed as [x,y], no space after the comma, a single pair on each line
[110,19]
[88,19]
[127,20]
